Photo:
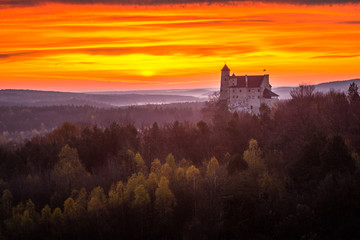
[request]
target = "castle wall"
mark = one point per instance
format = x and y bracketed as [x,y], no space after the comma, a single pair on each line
[244,99]
[224,87]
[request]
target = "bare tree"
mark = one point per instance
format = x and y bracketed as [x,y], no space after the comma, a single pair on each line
[303,91]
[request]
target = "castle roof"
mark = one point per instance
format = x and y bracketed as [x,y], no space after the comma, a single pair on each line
[254,81]
[268,94]
[225,68]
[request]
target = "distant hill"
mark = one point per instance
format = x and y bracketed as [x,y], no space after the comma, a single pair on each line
[110,99]
[102,99]
[343,86]
[201,93]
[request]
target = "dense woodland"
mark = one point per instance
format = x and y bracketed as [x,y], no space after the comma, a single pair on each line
[293,172]
[18,123]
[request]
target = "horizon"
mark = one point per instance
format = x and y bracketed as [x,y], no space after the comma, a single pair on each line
[160,90]
[83,47]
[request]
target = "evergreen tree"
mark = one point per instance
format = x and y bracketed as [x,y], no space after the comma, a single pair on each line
[353,94]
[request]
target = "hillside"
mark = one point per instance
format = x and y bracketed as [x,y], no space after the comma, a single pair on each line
[49,98]
[10,97]
[284,92]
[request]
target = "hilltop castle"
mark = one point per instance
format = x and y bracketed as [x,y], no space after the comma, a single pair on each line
[246,93]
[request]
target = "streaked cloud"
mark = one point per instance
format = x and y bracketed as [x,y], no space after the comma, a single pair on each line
[21,3]
[350,22]
[338,56]
[91,45]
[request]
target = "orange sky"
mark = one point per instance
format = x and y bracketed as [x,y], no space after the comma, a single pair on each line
[111,47]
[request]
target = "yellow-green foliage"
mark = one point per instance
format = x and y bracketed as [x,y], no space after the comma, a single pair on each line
[116,194]
[165,200]
[212,167]
[142,198]
[97,200]
[70,209]
[253,157]
[170,159]
[140,164]
[134,181]
[68,171]
[166,171]
[156,166]
[192,173]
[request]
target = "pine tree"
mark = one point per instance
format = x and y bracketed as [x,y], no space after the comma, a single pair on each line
[353,93]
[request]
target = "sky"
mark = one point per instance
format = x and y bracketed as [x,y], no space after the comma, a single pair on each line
[84,45]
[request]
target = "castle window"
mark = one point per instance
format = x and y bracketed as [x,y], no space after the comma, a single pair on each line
[258,90]
[240,90]
[249,90]
[258,96]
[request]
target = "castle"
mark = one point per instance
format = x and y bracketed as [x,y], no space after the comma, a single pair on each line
[246,93]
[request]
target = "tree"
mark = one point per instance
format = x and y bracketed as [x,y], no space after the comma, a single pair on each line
[236,164]
[303,91]
[140,164]
[97,202]
[45,220]
[165,200]
[27,223]
[57,222]
[253,157]
[156,166]
[116,195]
[6,204]
[192,174]
[353,94]
[336,156]
[142,198]
[68,171]
[171,161]
[134,181]
[264,116]
[179,176]
[70,209]
[151,184]
[45,217]
[66,132]
[30,207]
[81,202]
[166,170]
[212,167]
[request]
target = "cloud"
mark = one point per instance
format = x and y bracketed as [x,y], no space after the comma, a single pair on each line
[163,50]
[338,56]
[350,22]
[9,55]
[23,3]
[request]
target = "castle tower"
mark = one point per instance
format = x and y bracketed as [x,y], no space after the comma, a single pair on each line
[224,87]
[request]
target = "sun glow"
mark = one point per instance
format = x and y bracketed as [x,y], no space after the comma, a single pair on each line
[111,47]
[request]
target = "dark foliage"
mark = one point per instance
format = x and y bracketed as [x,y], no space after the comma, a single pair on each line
[299,179]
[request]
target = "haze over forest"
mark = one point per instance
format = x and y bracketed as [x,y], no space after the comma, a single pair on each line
[182,170]
[116,123]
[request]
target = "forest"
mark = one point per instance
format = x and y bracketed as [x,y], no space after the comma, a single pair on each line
[291,172]
[18,123]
